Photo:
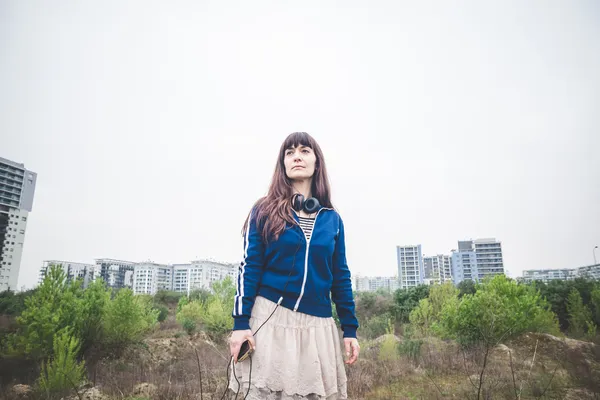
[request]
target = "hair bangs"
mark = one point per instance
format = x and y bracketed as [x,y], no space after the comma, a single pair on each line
[298,139]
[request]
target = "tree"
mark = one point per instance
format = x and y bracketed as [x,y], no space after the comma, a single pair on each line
[499,310]
[427,314]
[407,299]
[556,292]
[595,301]
[62,372]
[12,303]
[190,315]
[580,316]
[56,305]
[466,287]
[127,318]
[94,300]
[224,290]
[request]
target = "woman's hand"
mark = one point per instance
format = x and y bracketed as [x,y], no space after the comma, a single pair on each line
[352,350]
[236,340]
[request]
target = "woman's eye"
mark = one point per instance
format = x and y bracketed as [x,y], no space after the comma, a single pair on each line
[306,151]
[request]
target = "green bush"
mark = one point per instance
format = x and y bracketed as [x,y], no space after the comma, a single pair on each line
[410,348]
[405,300]
[12,303]
[213,312]
[56,305]
[376,326]
[163,312]
[189,316]
[202,295]
[556,292]
[95,298]
[127,318]
[580,316]
[62,372]
[500,309]
[167,297]
[426,316]
[216,318]
[189,325]
[182,302]
[191,311]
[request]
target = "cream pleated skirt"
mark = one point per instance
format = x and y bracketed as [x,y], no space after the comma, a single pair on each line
[298,356]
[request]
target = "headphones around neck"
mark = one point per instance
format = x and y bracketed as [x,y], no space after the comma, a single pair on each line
[310,205]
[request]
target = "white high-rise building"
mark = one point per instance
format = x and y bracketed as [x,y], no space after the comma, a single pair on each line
[437,268]
[204,272]
[74,270]
[546,275]
[489,257]
[477,259]
[149,278]
[116,273]
[17,188]
[374,283]
[410,266]
[181,275]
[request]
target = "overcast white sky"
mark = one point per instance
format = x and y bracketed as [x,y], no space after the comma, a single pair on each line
[154,126]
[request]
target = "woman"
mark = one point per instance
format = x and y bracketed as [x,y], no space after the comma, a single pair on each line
[294,266]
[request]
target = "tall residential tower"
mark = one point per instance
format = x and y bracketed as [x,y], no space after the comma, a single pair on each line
[477,259]
[410,266]
[17,187]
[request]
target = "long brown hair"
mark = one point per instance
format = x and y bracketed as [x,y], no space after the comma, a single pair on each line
[272,211]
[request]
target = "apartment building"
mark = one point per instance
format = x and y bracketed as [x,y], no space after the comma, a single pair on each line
[149,278]
[374,283]
[477,259]
[546,275]
[437,269]
[410,266]
[183,278]
[116,273]
[17,188]
[74,270]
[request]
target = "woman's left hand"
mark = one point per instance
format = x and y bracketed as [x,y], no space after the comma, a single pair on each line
[352,350]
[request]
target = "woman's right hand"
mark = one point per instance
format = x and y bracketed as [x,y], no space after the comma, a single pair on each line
[236,340]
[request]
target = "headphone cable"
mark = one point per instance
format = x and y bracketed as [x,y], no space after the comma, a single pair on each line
[255,332]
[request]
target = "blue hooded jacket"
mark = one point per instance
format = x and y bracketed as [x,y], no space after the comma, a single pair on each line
[319,272]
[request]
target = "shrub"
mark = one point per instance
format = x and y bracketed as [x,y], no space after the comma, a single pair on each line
[216,318]
[189,325]
[189,316]
[163,312]
[167,297]
[56,305]
[426,316]
[499,310]
[376,326]
[62,372]
[410,348]
[127,318]
[580,316]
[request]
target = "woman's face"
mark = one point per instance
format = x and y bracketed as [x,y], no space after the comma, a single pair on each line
[299,163]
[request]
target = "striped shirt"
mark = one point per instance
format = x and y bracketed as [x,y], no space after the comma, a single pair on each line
[307,226]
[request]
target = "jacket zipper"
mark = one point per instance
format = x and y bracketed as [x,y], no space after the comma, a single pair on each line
[306,256]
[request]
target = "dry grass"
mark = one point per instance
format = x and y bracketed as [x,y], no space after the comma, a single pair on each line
[171,366]
[167,361]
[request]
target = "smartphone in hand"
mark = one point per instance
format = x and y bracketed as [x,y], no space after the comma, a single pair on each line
[245,351]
